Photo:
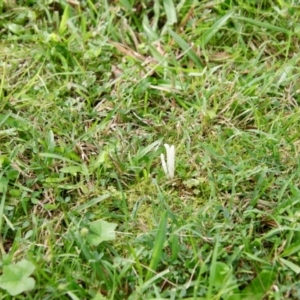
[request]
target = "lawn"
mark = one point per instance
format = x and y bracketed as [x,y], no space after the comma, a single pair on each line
[93,93]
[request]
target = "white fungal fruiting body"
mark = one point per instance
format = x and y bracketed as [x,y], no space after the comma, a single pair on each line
[169,167]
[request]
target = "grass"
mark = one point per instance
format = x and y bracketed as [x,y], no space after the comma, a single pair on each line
[89,93]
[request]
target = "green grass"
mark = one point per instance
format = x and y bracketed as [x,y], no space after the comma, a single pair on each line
[89,93]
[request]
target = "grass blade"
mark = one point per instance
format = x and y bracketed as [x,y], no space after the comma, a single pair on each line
[4,184]
[158,245]
[64,20]
[170,12]
[207,36]
[264,25]
[186,48]
[295,268]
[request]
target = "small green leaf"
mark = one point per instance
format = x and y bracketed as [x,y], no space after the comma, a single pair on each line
[50,206]
[101,159]
[94,239]
[12,174]
[222,273]
[15,28]
[3,184]
[73,170]
[101,231]
[99,297]
[259,286]
[15,278]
